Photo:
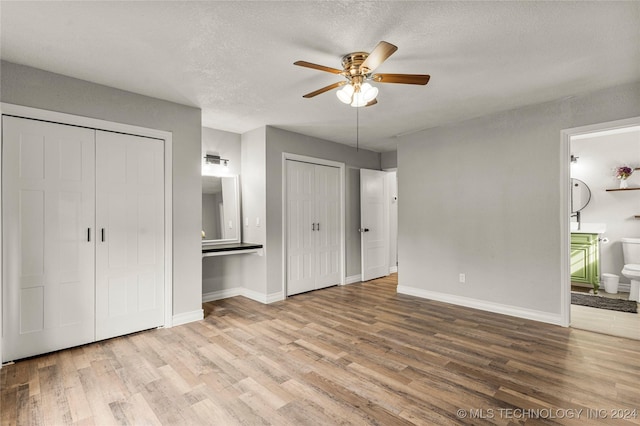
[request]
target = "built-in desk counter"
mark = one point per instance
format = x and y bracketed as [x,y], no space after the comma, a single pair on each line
[228,249]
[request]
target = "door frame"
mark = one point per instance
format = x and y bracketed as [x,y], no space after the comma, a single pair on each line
[322,162]
[565,205]
[94,123]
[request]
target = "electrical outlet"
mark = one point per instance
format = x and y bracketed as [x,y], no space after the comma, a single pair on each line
[463,278]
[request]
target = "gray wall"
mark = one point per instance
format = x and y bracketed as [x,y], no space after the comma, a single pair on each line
[35,88]
[389,160]
[482,197]
[280,141]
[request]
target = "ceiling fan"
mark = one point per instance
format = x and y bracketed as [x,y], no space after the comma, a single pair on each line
[357,68]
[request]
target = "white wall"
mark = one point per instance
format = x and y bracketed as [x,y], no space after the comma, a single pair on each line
[35,88]
[221,272]
[598,158]
[482,197]
[224,144]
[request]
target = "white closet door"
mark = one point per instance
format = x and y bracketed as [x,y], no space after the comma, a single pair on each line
[130,227]
[300,235]
[327,219]
[48,212]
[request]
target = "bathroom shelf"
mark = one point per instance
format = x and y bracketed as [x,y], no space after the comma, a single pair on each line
[622,189]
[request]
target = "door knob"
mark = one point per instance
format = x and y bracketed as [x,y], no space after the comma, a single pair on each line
[363,229]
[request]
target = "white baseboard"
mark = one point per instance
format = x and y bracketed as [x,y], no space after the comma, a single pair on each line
[484,305]
[221,294]
[393,269]
[187,317]
[622,287]
[240,291]
[275,297]
[352,279]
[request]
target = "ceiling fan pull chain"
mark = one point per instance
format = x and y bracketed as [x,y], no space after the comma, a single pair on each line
[357,128]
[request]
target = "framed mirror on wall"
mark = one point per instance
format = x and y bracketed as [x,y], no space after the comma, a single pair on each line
[220,210]
[580,195]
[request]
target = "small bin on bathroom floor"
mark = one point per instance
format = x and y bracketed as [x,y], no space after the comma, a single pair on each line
[610,283]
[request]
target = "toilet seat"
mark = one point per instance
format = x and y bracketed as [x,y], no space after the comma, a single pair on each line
[632,268]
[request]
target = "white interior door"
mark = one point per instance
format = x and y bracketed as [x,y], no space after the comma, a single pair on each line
[130,225]
[374,224]
[48,236]
[301,265]
[327,225]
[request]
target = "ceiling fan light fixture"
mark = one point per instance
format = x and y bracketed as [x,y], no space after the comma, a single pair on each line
[357,68]
[358,100]
[345,94]
[369,92]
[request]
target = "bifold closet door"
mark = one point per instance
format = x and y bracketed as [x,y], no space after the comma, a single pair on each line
[130,231]
[301,264]
[48,236]
[327,219]
[313,228]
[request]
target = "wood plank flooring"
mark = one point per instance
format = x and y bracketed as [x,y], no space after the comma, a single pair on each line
[354,355]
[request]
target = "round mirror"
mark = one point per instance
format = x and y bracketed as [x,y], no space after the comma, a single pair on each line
[580,195]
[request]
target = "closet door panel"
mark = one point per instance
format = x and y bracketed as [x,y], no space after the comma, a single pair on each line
[48,210]
[301,262]
[130,209]
[327,218]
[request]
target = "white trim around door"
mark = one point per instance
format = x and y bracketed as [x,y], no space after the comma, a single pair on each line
[565,209]
[93,123]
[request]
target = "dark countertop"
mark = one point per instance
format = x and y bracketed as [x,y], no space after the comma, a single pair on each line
[230,247]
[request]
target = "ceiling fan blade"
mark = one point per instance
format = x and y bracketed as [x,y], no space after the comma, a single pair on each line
[317,67]
[324,89]
[402,78]
[371,103]
[377,56]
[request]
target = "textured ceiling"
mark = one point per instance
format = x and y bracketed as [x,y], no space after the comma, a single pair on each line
[234,59]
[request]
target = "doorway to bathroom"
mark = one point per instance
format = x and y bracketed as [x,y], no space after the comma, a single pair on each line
[603,207]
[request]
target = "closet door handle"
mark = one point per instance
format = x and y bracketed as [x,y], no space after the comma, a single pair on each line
[88,235]
[102,233]
[318,226]
[313,226]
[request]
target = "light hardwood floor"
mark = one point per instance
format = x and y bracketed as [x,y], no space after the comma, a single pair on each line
[359,354]
[622,324]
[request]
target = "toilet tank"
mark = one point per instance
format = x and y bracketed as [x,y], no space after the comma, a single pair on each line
[631,250]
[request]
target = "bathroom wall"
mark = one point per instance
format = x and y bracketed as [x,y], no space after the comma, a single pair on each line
[598,156]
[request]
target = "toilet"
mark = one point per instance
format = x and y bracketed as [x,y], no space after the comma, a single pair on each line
[631,270]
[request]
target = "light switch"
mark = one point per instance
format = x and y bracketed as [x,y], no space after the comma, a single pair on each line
[246,221]
[230,224]
[257,221]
